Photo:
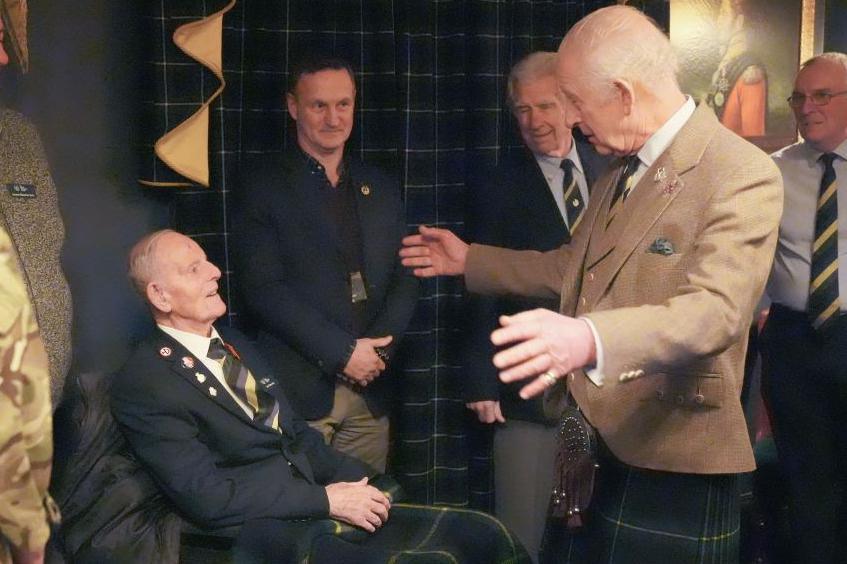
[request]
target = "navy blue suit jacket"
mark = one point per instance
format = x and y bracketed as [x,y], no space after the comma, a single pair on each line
[295,284]
[216,465]
[512,207]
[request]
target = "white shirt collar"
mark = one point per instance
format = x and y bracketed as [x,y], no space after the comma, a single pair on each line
[196,344]
[662,137]
[813,155]
[556,162]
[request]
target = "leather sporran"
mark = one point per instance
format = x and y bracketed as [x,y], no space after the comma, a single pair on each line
[574,469]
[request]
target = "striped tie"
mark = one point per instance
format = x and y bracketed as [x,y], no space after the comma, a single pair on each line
[243,384]
[823,288]
[574,204]
[622,187]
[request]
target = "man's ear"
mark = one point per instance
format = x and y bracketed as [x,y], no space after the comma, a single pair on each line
[291,102]
[625,91]
[158,298]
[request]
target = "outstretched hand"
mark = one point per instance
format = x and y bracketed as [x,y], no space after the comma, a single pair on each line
[546,346]
[434,252]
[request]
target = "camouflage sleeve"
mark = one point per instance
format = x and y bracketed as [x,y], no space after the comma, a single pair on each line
[26,445]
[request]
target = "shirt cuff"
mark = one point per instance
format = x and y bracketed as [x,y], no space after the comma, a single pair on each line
[595,373]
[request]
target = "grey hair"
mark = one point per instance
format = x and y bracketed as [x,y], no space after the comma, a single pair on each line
[141,267]
[615,49]
[534,66]
[830,56]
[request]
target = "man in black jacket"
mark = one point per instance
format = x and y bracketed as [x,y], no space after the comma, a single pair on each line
[214,428]
[317,240]
[197,422]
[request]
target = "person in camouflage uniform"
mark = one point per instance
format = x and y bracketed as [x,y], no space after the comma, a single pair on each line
[26,441]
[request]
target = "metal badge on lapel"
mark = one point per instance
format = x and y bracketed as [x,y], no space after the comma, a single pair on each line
[187,362]
[165,352]
[666,185]
[18,190]
[200,377]
[661,246]
[213,391]
[366,190]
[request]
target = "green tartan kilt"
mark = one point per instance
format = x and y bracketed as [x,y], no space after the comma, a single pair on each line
[649,517]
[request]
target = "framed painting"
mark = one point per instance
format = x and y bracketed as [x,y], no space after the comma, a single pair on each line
[741,56]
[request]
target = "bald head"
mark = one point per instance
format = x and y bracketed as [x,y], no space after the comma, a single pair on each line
[617,71]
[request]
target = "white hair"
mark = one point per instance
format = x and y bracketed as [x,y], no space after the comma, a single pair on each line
[534,66]
[620,42]
[142,266]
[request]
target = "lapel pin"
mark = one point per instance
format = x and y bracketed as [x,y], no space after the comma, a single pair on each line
[200,377]
[187,362]
[661,174]
[366,190]
[575,203]
[213,391]
[165,352]
[669,185]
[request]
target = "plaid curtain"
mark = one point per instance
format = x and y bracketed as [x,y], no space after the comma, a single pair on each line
[431,105]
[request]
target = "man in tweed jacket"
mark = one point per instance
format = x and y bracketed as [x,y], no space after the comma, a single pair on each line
[657,291]
[29,212]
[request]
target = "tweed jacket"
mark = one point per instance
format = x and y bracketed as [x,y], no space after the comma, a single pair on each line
[670,288]
[31,217]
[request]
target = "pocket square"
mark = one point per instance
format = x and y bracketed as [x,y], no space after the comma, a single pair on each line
[661,246]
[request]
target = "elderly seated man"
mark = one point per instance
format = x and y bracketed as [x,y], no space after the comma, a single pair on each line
[213,427]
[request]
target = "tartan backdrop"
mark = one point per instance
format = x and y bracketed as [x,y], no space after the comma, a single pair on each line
[430,105]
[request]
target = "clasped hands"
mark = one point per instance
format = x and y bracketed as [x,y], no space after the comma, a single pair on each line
[365,363]
[545,345]
[358,504]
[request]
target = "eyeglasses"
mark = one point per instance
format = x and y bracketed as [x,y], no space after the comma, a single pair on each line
[796,100]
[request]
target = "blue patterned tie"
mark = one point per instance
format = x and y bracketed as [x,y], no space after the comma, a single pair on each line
[824,302]
[243,384]
[622,187]
[574,204]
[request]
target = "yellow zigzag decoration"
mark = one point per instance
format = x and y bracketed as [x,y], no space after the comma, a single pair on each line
[185,148]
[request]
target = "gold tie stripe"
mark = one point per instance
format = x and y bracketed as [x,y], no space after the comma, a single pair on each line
[824,301]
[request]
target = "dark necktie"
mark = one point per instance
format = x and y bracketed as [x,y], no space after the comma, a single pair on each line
[574,204]
[243,384]
[622,187]
[824,303]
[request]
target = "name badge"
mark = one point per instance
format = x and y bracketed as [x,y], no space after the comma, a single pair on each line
[357,287]
[17,190]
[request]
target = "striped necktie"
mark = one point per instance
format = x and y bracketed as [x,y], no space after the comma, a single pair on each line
[622,187]
[243,384]
[823,287]
[572,197]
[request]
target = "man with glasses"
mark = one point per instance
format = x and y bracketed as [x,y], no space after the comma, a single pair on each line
[805,337]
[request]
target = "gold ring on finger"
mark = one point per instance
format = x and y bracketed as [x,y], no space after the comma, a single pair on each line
[549,378]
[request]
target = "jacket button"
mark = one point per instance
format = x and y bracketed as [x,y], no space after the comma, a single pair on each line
[590,276]
[660,394]
[699,398]
[320,364]
[583,301]
[680,399]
